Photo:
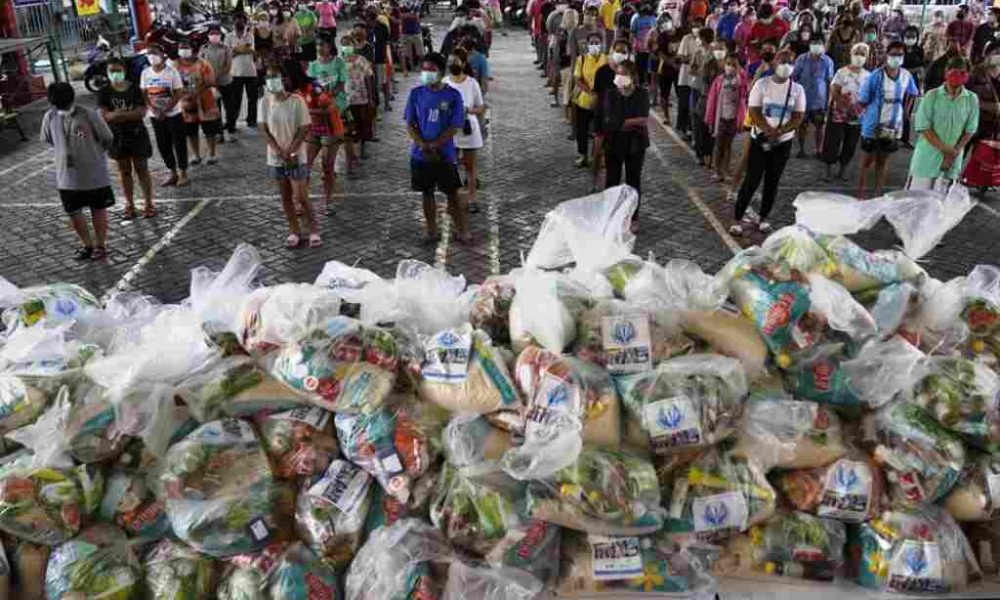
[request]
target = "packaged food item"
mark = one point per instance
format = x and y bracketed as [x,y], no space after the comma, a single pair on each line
[491,304]
[279,572]
[233,387]
[220,493]
[817,376]
[564,391]
[799,541]
[849,489]
[793,249]
[594,564]
[342,366]
[605,492]
[531,545]
[976,496]
[858,269]
[728,334]
[779,310]
[717,496]
[55,303]
[28,562]
[387,509]
[687,403]
[912,551]
[174,571]
[394,562]
[790,434]
[393,445]
[470,439]
[330,512]
[273,316]
[984,537]
[964,397]
[131,505]
[299,442]
[46,505]
[922,461]
[624,338]
[463,372]
[92,429]
[20,404]
[539,315]
[98,563]
[474,513]
[246,575]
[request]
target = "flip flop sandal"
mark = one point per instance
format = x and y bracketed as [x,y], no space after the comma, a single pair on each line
[149,212]
[100,253]
[129,213]
[83,253]
[292,241]
[315,241]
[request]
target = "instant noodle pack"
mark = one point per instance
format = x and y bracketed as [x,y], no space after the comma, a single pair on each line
[590,423]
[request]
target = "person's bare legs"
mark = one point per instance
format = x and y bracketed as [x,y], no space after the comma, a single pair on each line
[741,167]
[100,217]
[472,172]
[863,165]
[723,150]
[802,134]
[141,169]
[459,215]
[820,128]
[211,140]
[880,173]
[288,206]
[312,151]
[79,224]
[194,144]
[128,185]
[300,194]
[329,172]
[430,214]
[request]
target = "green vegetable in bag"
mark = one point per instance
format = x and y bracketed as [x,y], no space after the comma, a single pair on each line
[45,505]
[474,514]
[963,396]
[330,512]
[97,564]
[176,572]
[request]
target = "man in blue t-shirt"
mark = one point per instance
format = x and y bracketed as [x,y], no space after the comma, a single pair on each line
[434,114]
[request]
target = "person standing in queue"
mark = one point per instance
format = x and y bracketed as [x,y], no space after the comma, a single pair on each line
[244,72]
[327,103]
[624,116]
[434,114]
[80,137]
[220,58]
[198,102]
[470,140]
[840,140]
[123,109]
[777,107]
[162,87]
[584,98]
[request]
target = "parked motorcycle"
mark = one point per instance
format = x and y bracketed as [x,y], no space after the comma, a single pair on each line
[95,77]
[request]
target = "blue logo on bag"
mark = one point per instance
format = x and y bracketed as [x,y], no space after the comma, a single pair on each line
[670,418]
[716,513]
[448,339]
[915,560]
[65,307]
[624,332]
[558,396]
[846,478]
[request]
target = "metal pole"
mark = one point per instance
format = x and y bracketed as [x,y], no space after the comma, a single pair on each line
[52,59]
[55,38]
[923,14]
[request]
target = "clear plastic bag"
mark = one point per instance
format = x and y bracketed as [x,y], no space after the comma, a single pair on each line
[347,282]
[97,564]
[881,370]
[841,311]
[538,314]
[937,324]
[47,438]
[490,311]
[279,572]
[387,509]
[895,303]
[814,544]
[130,504]
[963,396]
[393,563]
[790,434]
[837,214]
[817,375]
[174,571]
[687,403]
[922,218]
[46,357]
[982,297]
[592,231]
[717,496]
[429,299]
[624,338]
[912,551]
[463,372]
[605,492]
[468,582]
[20,404]
[57,303]
[220,493]
[532,545]
[793,249]
[331,509]
[216,298]
[921,459]
[858,269]
[779,311]
[273,316]
[300,442]
[471,440]
[474,512]
[976,496]
[341,366]
[233,387]
[850,489]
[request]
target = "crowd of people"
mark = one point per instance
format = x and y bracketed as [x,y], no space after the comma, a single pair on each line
[311,93]
[851,74]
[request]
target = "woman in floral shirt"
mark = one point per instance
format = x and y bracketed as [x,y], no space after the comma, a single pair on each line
[844,130]
[360,95]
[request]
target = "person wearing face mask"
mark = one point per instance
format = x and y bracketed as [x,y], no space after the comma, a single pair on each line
[884,96]
[983,168]
[705,66]
[435,114]
[478,63]
[162,87]
[123,108]
[913,61]
[741,36]
[327,11]
[894,26]
[876,47]
[666,44]
[624,117]
[725,111]
[584,100]
[814,71]
[842,39]
[220,57]
[244,73]
[560,56]
[945,123]
[80,137]
[755,71]
[589,26]
[986,33]
[767,27]
[198,104]
[962,29]
[285,121]
[360,92]
[690,44]
[840,140]
[642,27]
[606,12]
[726,27]
[327,101]
[470,139]
[934,76]
[777,106]
[799,40]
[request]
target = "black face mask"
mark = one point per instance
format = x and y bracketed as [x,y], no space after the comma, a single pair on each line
[767,56]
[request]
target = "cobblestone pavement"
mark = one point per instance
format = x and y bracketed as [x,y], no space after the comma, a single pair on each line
[527,168]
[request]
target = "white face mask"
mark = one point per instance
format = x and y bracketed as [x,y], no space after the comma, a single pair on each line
[274,85]
[784,70]
[910,41]
[694,31]
[184,53]
[894,62]
[155,60]
[618,57]
[273,12]
[719,54]
[805,35]
[816,48]
[622,81]
[287,14]
[594,49]
[858,60]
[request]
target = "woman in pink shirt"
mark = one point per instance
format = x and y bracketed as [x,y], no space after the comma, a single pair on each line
[328,11]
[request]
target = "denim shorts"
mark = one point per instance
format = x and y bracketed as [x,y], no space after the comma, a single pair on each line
[298,173]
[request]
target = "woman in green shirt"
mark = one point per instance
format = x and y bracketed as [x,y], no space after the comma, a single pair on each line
[946,120]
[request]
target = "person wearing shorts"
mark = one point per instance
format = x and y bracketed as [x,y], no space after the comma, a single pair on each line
[411,39]
[360,98]
[284,117]
[434,114]
[80,137]
[123,108]
[814,71]
[198,104]
[326,99]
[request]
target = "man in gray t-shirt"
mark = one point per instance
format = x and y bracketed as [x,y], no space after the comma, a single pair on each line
[220,56]
[80,138]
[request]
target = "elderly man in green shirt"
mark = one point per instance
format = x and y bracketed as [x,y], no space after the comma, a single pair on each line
[946,120]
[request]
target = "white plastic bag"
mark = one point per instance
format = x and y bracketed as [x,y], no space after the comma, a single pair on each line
[538,314]
[467,582]
[347,282]
[216,298]
[793,248]
[592,231]
[836,214]
[984,282]
[430,299]
[922,218]
[285,313]
[841,311]
[394,560]
[883,369]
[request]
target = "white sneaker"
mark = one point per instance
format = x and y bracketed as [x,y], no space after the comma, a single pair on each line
[764,227]
[751,216]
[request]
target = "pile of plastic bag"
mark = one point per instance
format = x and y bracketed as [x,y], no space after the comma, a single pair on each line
[591,423]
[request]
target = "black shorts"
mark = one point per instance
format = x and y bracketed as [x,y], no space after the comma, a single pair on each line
[132,143]
[208,127]
[883,146]
[426,176]
[74,201]
[306,53]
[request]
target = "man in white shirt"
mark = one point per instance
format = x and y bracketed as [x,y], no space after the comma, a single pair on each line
[243,72]
[690,44]
[777,107]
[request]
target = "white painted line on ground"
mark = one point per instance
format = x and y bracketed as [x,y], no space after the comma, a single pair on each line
[32,158]
[444,230]
[31,175]
[245,198]
[492,209]
[692,194]
[126,282]
[988,208]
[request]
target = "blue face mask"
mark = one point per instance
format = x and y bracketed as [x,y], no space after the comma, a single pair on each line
[428,77]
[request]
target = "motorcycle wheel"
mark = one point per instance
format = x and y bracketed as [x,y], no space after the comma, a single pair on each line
[95,82]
